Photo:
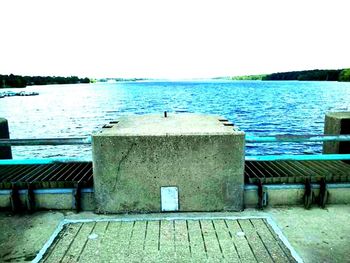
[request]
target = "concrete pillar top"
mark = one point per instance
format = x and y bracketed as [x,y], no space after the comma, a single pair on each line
[339,115]
[173,124]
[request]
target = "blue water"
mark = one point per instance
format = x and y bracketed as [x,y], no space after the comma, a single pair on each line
[260,108]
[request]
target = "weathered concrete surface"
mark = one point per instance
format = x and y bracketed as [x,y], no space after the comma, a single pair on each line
[292,196]
[177,240]
[196,153]
[5,152]
[318,235]
[50,201]
[276,197]
[22,236]
[337,123]
[64,201]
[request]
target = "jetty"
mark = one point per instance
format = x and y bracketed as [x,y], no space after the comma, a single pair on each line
[177,187]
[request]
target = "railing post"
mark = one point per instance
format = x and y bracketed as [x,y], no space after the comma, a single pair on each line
[5,151]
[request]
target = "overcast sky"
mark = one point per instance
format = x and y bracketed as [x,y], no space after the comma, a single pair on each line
[172,39]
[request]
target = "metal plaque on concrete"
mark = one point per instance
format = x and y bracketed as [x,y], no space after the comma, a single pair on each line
[169,199]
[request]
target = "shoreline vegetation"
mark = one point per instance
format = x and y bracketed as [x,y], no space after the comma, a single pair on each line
[304,75]
[17,81]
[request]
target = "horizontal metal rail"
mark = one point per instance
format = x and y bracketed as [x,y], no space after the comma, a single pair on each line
[296,138]
[292,157]
[249,139]
[304,157]
[45,141]
[43,161]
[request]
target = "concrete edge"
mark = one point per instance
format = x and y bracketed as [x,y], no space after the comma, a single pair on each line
[52,198]
[295,186]
[49,191]
[49,242]
[278,195]
[292,194]
[284,239]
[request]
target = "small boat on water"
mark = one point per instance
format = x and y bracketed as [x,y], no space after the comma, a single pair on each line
[21,93]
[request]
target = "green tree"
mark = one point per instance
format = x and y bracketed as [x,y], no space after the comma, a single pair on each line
[344,75]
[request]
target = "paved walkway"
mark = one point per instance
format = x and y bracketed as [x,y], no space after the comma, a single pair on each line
[217,240]
[317,235]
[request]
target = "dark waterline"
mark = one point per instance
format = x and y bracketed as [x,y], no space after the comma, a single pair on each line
[260,107]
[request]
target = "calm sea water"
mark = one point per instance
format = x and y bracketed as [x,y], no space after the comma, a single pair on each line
[259,108]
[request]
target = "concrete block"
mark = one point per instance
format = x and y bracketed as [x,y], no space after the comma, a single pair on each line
[53,199]
[201,155]
[277,196]
[5,152]
[338,195]
[50,201]
[337,123]
[5,200]
[291,195]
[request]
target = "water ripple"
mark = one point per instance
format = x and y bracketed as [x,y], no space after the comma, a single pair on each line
[256,107]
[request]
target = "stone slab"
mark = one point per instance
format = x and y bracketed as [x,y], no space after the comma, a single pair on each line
[218,240]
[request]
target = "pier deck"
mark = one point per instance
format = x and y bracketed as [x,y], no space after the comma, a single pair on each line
[178,240]
[316,235]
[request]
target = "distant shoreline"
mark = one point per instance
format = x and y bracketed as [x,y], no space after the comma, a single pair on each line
[304,75]
[18,81]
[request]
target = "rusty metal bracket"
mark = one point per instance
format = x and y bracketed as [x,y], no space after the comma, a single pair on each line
[323,195]
[262,196]
[30,198]
[15,199]
[308,194]
[77,197]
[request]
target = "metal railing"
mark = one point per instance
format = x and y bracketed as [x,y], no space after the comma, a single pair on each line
[296,138]
[249,139]
[298,157]
[45,141]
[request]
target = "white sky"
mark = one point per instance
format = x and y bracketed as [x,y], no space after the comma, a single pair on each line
[172,39]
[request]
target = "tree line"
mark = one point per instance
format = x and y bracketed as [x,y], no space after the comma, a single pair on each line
[318,75]
[311,75]
[17,81]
